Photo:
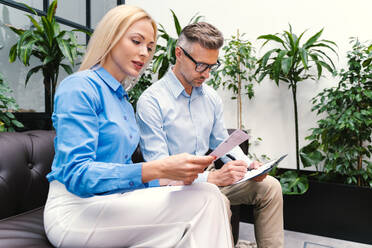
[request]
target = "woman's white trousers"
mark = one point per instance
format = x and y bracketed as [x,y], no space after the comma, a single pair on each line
[192,216]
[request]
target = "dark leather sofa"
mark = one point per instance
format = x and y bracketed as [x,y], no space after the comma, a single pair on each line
[25,159]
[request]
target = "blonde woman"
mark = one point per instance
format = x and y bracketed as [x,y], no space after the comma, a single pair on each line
[98,197]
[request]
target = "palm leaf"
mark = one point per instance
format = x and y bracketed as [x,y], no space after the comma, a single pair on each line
[32,71]
[271,37]
[303,55]
[47,60]
[52,11]
[18,31]
[171,44]
[66,49]
[324,45]
[35,23]
[299,38]
[329,59]
[31,9]
[89,33]
[27,34]
[176,23]
[286,65]
[25,52]
[157,62]
[195,18]
[291,42]
[318,65]
[48,29]
[313,39]
[13,53]
[327,66]
[67,68]
[277,66]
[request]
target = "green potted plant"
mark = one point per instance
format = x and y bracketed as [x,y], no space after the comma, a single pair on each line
[342,139]
[8,121]
[48,43]
[340,149]
[291,62]
[237,72]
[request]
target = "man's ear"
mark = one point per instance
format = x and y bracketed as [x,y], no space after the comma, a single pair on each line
[178,52]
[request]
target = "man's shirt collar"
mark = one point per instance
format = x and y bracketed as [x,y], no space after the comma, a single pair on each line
[177,88]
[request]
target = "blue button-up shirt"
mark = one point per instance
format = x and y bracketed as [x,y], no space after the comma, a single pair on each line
[96,136]
[172,121]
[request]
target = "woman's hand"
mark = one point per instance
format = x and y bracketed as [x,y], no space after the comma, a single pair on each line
[182,167]
[169,182]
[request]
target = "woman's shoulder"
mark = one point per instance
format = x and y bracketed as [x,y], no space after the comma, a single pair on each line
[80,80]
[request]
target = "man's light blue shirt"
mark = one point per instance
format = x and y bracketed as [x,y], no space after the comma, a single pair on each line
[172,121]
[96,136]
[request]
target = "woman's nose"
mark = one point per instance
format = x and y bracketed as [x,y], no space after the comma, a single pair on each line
[144,51]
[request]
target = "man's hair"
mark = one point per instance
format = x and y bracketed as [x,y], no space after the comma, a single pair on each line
[203,33]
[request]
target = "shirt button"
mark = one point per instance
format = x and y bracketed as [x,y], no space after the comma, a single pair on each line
[131,183]
[125,118]
[126,156]
[130,136]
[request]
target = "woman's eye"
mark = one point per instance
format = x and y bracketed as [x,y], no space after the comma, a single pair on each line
[149,49]
[136,42]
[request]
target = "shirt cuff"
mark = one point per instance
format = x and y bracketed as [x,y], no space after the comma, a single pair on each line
[154,183]
[202,177]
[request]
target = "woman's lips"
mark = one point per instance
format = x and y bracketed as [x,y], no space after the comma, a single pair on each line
[138,65]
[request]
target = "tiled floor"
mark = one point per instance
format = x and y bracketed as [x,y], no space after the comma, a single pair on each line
[302,240]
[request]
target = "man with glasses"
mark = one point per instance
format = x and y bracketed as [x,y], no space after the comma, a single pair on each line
[180,114]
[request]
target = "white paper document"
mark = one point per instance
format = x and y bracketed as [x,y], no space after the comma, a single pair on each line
[265,168]
[236,138]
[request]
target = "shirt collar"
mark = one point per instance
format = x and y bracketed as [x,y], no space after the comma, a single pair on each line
[114,84]
[177,88]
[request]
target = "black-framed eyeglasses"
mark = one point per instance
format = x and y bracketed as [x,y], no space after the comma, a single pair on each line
[199,66]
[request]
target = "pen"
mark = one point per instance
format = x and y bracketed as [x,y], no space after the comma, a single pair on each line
[230,156]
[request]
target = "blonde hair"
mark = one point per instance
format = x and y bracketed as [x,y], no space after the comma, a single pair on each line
[107,34]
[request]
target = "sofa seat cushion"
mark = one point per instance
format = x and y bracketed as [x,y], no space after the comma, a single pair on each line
[24,230]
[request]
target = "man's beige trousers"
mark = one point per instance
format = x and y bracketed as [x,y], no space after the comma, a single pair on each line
[267,200]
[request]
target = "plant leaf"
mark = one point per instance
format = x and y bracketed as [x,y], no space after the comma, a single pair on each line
[65,49]
[48,29]
[13,53]
[67,68]
[271,37]
[18,31]
[52,10]
[303,55]
[176,23]
[35,23]
[32,71]
[286,65]
[313,39]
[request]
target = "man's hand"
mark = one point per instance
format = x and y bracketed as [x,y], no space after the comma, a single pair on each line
[255,165]
[230,173]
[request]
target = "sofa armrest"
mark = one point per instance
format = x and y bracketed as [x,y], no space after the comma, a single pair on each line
[25,159]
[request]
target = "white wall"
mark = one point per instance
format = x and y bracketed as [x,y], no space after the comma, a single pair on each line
[270,114]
